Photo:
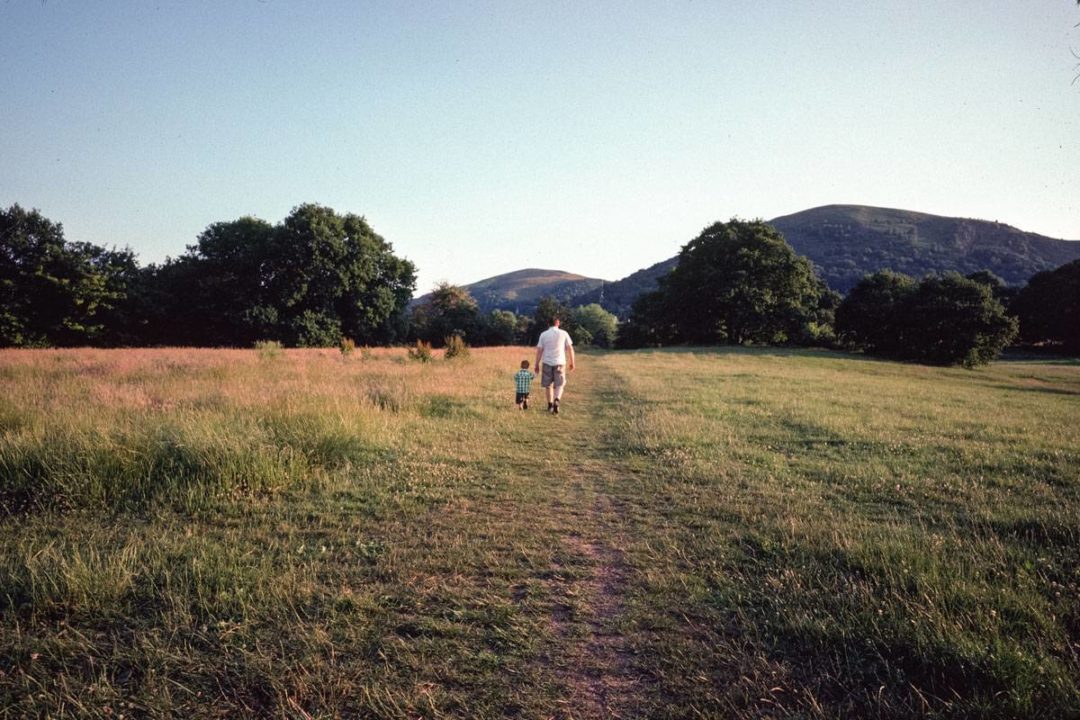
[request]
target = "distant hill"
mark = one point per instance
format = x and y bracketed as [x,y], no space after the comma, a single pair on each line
[617,297]
[521,290]
[846,242]
[849,241]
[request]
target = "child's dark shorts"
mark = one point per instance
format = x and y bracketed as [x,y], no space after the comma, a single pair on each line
[520,397]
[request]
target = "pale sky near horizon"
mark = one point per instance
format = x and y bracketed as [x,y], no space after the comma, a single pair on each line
[485,137]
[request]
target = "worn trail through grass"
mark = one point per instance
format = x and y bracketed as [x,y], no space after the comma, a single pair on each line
[572,461]
[743,533]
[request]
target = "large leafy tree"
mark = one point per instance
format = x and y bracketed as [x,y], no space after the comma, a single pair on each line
[335,276]
[1048,307]
[649,324]
[310,280]
[953,320]
[501,327]
[597,326]
[55,292]
[737,282]
[219,292]
[947,320]
[870,317]
[448,310]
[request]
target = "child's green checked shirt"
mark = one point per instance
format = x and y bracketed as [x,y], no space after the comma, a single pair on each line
[522,379]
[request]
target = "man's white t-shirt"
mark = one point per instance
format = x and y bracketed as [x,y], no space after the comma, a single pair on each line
[554,342]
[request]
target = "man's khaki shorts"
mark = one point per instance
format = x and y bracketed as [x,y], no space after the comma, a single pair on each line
[552,374]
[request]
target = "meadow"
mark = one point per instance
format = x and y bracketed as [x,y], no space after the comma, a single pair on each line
[701,533]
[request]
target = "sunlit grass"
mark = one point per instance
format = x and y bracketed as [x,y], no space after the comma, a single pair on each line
[222,533]
[855,536]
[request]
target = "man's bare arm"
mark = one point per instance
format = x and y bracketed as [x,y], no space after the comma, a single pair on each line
[570,354]
[539,354]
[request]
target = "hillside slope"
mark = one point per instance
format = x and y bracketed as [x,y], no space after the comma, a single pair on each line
[617,297]
[846,242]
[520,290]
[849,241]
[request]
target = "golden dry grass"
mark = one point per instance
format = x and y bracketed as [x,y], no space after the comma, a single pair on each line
[710,533]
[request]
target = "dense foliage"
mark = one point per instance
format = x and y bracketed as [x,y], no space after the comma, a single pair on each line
[870,319]
[310,280]
[1049,308]
[738,282]
[847,242]
[55,292]
[451,311]
[546,311]
[595,326]
[318,278]
[447,311]
[947,320]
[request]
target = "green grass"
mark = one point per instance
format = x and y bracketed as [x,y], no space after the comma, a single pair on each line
[701,533]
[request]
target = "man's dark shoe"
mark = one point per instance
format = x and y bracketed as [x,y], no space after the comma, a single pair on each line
[551,407]
[555,407]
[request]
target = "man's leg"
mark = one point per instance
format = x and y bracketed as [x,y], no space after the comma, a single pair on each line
[558,382]
[547,381]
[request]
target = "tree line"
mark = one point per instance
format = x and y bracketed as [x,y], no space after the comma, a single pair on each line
[318,278]
[450,311]
[739,282]
[310,280]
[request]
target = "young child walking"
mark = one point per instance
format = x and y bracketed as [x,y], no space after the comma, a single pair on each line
[522,379]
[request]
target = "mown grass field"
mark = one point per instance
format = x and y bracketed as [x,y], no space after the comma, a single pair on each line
[701,533]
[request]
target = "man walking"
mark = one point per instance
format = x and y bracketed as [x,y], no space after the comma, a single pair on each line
[553,349]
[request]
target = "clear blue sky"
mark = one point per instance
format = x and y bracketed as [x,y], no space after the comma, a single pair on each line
[480,138]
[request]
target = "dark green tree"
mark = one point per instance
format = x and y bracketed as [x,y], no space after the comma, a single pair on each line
[740,282]
[500,327]
[870,318]
[947,320]
[547,309]
[121,316]
[309,281]
[54,292]
[332,275]
[1002,291]
[219,293]
[447,311]
[1048,308]
[955,321]
[649,324]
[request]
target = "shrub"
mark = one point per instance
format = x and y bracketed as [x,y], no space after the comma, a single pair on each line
[347,346]
[956,321]
[421,352]
[456,348]
[268,349]
[949,320]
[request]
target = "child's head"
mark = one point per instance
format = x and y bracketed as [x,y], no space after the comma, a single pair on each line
[524,364]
